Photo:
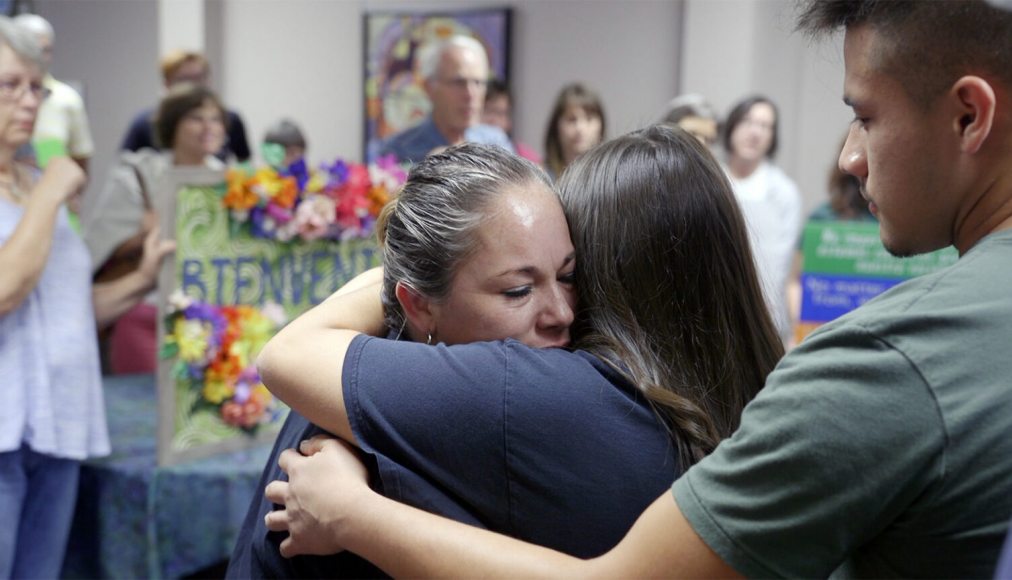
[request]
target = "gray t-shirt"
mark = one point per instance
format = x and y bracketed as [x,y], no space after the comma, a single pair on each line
[881,446]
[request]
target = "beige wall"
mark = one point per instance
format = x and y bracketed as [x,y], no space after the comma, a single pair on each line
[302,58]
[735,48]
[110,48]
[624,49]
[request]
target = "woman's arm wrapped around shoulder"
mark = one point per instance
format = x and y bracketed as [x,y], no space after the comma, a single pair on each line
[329,507]
[303,363]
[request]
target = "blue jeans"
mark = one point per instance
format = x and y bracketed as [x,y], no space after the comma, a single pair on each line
[37,498]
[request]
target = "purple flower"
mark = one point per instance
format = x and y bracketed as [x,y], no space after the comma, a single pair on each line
[338,172]
[256,221]
[278,213]
[300,171]
[242,391]
[387,162]
[196,372]
[211,314]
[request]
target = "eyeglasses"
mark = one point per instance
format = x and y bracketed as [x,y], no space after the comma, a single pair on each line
[461,83]
[13,90]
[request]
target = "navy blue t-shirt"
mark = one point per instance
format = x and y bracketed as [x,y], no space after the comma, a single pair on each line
[546,445]
[257,550]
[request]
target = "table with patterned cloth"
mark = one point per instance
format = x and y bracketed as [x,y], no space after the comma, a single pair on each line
[137,520]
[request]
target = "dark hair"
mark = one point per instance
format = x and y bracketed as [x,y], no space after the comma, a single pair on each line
[845,197]
[180,100]
[285,133]
[497,88]
[668,292]
[428,229]
[737,115]
[925,45]
[574,94]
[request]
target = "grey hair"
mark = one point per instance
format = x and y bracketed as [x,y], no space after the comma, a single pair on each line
[429,228]
[35,24]
[430,54]
[285,132]
[21,41]
[688,105]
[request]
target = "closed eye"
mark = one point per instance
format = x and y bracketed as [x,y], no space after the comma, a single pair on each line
[518,292]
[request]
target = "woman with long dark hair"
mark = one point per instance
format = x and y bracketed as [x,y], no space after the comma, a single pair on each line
[577,124]
[671,343]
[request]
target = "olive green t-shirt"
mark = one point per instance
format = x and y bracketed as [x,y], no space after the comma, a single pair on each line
[882,445]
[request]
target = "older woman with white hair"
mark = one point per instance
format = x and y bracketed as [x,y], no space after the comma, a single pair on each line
[62,122]
[53,415]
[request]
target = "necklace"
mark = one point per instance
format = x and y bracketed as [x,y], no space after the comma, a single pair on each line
[12,187]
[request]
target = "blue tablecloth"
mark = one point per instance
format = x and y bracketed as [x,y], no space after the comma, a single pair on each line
[136,520]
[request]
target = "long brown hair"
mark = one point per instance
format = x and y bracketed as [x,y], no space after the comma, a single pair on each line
[668,289]
[577,95]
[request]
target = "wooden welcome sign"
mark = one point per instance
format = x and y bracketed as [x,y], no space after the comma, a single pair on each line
[222,297]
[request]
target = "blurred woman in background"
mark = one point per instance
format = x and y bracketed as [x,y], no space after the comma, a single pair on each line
[190,127]
[769,199]
[577,124]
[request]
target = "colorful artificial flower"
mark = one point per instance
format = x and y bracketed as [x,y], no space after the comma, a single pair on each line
[216,348]
[314,217]
[338,201]
[238,197]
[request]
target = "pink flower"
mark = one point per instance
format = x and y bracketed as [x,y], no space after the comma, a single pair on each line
[314,217]
[279,214]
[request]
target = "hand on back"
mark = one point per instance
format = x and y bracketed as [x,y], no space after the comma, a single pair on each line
[324,485]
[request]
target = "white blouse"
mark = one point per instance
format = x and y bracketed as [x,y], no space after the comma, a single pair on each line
[50,378]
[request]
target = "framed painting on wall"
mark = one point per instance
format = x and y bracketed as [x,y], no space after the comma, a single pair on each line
[395,97]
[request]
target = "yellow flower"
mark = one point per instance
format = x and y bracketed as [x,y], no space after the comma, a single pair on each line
[216,390]
[316,183]
[269,180]
[239,353]
[257,329]
[191,336]
[261,394]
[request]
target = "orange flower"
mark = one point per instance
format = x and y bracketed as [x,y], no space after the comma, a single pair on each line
[286,194]
[226,368]
[238,196]
[378,197]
